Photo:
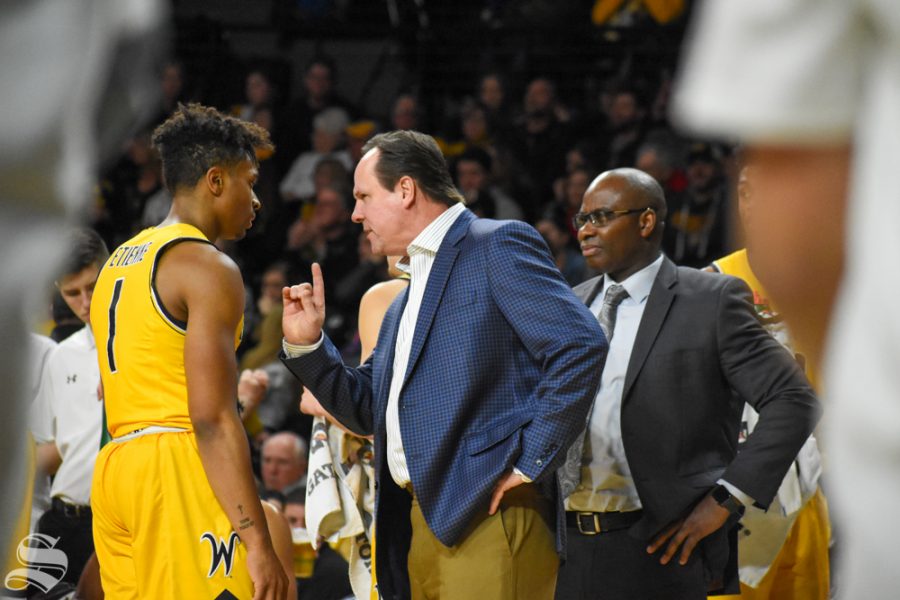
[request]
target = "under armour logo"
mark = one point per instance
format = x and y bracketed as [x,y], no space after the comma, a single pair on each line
[44,565]
[71,378]
[221,552]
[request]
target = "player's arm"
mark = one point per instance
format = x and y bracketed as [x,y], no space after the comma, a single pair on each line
[48,458]
[283,543]
[372,307]
[211,292]
[799,238]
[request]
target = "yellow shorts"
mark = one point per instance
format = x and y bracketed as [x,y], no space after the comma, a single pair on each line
[159,531]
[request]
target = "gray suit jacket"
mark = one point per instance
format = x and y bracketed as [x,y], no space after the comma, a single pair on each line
[699,354]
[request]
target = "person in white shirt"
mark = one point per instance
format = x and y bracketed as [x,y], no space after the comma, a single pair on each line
[812,88]
[69,433]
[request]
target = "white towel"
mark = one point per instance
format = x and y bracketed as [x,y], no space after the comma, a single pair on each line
[340,496]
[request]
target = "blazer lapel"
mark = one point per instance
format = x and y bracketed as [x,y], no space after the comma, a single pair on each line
[661,296]
[434,289]
[588,293]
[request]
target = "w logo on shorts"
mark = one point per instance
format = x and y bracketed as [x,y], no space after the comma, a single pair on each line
[222,552]
[44,565]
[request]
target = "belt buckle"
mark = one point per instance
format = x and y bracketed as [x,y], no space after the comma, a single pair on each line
[74,511]
[596,517]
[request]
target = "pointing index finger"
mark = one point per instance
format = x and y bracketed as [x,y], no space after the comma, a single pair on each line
[318,286]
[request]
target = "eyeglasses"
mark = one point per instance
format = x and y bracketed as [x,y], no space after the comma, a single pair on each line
[601,217]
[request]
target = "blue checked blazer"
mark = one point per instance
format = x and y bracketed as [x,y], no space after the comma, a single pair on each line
[504,365]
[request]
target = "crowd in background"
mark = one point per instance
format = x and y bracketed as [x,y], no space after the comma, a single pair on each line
[516,151]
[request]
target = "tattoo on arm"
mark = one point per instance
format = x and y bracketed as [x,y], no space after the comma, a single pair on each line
[241,508]
[246,523]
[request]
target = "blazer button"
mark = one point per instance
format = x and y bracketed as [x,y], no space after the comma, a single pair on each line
[539,462]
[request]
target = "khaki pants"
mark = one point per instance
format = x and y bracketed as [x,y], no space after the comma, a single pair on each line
[508,555]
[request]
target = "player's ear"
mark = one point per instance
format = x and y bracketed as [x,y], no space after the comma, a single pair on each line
[215,180]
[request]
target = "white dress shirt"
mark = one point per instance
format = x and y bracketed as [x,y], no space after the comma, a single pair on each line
[606,482]
[74,414]
[421,252]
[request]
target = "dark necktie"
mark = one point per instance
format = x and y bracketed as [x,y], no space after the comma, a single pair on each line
[614,296]
[570,472]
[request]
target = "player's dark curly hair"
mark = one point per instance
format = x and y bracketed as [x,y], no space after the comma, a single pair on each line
[198,137]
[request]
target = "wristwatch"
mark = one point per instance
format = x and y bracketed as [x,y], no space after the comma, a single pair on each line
[726,500]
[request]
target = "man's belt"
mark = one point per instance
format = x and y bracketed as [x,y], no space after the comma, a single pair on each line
[72,511]
[592,523]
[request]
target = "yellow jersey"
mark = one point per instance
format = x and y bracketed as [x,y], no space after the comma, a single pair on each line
[140,345]
[738,265]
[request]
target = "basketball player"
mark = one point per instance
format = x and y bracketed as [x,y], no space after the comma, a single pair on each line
[176,513]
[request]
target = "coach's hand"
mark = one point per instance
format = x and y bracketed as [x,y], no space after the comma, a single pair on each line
[304,310]
[506,483]
[267,574]
[686,533]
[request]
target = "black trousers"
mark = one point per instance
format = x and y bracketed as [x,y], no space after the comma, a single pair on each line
[75,539]
[615,566]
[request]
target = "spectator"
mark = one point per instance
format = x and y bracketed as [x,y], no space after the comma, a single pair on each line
[321,574]
[473,177]
[327,142]
[284,462]
[318,93]
[539,143]
[623,130]
[358,133]
[493,95]
[568,259]
[331,239]
[266,335]
[659,157]
[331,172]
[696,229]
[295,507]
[173,89]
[406,112]
[132,192]
[260,95]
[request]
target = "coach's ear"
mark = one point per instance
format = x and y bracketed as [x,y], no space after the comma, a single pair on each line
[214,179]
[406,187]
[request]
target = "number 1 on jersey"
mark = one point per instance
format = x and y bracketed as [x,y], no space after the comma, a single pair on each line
[117,293]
